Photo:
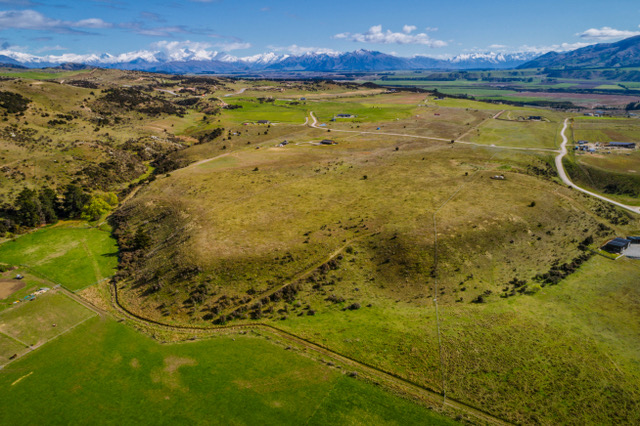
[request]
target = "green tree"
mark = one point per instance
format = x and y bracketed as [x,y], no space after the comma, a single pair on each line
[28,208]
[141,240]
[110,198]
[95,208]
[74,200]
[48,204]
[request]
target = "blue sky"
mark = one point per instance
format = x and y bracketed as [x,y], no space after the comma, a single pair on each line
[247,27]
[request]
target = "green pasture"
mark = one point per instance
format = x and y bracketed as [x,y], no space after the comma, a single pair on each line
[366,110]
[72,255]
[505,355]
[104,367]
[527,134]
[40,74]
[599,129]
[32,322]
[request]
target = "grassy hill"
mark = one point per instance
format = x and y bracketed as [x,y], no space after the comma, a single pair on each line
[337,243]
[396,247]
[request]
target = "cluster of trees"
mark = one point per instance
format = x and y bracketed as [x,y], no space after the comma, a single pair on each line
[13,103]
[208,137]
[132,99]
[633,106]
[45,206]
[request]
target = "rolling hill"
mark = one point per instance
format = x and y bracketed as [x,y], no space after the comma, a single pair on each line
[625,53]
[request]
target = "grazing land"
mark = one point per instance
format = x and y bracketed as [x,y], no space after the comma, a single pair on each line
[565,89]
[72,255]
[30,324]
[235,379]
[429,238]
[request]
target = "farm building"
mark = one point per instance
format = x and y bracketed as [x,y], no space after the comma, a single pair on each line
[328,142]
[582,142]
[629,145]
[617,245]
[634,240]
[535,117]
[344,116]
[263,121]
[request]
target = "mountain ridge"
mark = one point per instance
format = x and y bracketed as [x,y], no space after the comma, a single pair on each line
[624,53]
[188,61]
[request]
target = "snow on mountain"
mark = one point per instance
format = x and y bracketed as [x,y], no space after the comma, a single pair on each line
[493,57]
[182,57]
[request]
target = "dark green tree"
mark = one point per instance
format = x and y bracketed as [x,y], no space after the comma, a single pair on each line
[74,200]
[141,240]
[48,204]
[28,208]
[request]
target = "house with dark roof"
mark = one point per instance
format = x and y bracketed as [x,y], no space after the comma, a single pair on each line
[629,145]
[634,240]
[263,121]
[617,245]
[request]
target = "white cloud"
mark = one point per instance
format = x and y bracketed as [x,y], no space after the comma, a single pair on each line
[235,45]
[296,50]
[376,35]
[563,47]
[408,29]
[32,20]
[606,33]
[92,23]
[51,48]
[165,31]
[181,50]
[498,46]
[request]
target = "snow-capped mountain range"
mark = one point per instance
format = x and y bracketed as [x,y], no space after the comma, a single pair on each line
[187,60]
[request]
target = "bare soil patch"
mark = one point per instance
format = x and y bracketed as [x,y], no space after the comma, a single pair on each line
[8,287]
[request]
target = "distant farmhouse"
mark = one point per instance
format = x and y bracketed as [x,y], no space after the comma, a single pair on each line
[345,116]
[535,118]
[263,121]
[628,145]
[328,142]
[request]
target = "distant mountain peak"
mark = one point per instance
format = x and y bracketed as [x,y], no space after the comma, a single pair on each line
[624,53]
[187,60]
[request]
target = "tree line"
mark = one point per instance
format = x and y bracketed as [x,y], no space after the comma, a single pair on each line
[43,206]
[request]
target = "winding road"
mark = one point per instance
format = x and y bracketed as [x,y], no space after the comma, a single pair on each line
[561,171]
[565,178]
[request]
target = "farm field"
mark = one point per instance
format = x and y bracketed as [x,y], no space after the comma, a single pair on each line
[528,134]
[33,323]
[223,380]
[522,86]
[70,254]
